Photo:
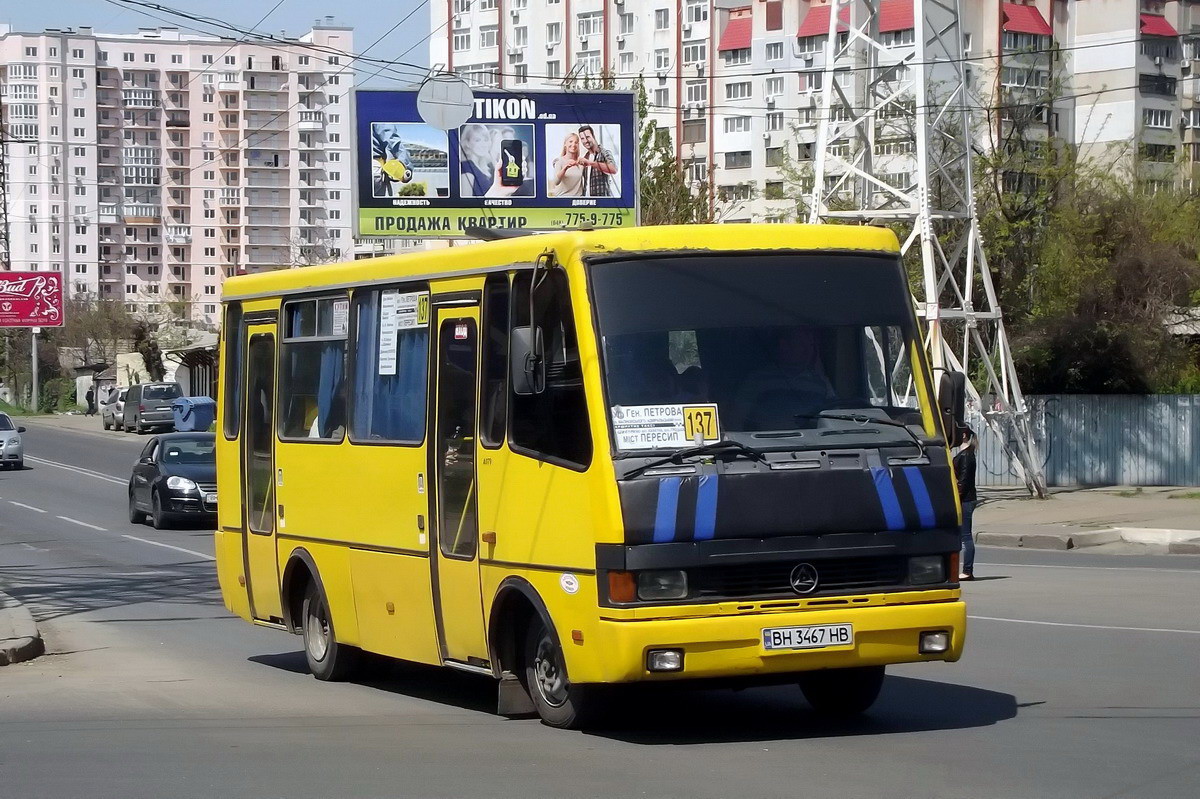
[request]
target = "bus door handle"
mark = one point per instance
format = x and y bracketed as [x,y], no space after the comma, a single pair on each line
[489,537]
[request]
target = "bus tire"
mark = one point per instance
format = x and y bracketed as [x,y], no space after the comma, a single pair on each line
[327,659]
[842,692]
[557,701]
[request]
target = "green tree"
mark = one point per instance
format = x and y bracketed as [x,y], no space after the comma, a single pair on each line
[668,196]
[145,345]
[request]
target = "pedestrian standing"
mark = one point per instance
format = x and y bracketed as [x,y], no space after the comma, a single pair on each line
[90,397]
[964,471]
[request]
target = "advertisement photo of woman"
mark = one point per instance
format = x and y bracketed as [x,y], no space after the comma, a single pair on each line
[494,160]
[566,178]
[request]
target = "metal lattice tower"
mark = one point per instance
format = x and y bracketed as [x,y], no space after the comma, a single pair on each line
[894,147]
[5,251]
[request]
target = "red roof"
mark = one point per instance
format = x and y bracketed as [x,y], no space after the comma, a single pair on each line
[737,34]
[895,15]
[1154,25]
[817,22]
[1025,19]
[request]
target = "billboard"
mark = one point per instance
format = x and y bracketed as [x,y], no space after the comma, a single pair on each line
[31,299]
[540,160]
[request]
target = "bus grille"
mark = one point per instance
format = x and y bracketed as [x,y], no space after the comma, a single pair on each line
[836,575]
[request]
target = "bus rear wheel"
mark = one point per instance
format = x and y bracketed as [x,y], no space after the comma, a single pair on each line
[557,701]
[327,659]
[842,692]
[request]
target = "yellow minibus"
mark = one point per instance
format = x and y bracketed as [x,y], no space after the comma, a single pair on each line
[579,459]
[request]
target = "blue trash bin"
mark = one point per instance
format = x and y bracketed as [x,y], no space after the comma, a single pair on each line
[194,413]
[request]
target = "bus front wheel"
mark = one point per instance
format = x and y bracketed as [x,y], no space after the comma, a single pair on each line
[327,659]
[842,692]
[558,702]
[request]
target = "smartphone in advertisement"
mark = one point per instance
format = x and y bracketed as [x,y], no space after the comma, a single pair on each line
[512,162]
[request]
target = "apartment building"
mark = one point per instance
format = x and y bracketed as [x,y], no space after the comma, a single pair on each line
[148,167]
[737,82]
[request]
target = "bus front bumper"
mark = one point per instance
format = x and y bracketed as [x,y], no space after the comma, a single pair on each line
[731,646]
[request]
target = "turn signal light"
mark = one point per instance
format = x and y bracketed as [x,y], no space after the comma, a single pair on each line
[622,586]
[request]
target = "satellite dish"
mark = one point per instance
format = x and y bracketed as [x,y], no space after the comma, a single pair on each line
[445,101]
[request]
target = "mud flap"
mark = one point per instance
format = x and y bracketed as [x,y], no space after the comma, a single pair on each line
[513,700]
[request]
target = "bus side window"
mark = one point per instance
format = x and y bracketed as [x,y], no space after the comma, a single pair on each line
[552,425]
[493,395]
[234,344]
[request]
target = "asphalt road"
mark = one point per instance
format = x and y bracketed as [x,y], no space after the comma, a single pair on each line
[1081,679]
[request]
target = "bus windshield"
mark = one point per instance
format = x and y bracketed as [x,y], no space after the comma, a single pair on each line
[807,349]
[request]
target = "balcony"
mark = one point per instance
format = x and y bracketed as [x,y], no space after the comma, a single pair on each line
[262,200]
[108,212]
[142,213]
[140,98]
[311,120]
[178,234]
[140,156]
[231,197]
[266,161]
[273,220]
[229,82]
[266,240]
[178,119]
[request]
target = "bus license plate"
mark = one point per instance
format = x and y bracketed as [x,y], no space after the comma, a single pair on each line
[813,636]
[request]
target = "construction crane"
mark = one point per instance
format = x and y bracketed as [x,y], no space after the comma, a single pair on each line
[875,94]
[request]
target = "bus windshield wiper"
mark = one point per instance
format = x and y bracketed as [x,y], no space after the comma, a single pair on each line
[861,418]
[703,449]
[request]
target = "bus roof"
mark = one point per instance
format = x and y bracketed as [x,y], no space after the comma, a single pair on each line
[524,249]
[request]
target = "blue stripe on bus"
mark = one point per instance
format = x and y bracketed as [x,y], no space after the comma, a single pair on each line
[668,503]
[920,492]
[706,507]
[892,515]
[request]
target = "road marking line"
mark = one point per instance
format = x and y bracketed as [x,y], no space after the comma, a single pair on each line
[1098,568]
[82,524]
[1087,626]
[169,546]
[23,505]
[77,470]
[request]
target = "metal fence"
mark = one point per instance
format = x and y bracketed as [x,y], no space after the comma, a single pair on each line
[1086,439]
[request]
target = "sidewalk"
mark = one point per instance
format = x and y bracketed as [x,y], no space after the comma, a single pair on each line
[19,636]
[73,422]
[1158,519]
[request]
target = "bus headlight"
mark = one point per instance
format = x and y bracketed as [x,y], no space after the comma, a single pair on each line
[927,569]
[662,584]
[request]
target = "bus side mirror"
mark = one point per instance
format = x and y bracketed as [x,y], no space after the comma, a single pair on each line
[527,363]
[952,403]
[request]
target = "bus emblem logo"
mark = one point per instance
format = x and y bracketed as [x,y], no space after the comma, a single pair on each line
[804,578]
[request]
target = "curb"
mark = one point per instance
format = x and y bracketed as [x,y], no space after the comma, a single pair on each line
[26,642]
[1179,542]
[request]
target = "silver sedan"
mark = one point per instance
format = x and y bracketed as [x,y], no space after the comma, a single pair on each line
[12,452]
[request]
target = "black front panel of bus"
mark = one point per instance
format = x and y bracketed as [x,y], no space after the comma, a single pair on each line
[763,504]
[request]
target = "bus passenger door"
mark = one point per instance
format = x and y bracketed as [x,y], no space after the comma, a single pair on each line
[455,562]
[258,472]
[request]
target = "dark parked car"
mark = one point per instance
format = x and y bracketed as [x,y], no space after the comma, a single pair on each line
[148,405]
[175,479]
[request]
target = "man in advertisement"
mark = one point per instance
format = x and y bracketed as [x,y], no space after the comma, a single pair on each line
[597,165]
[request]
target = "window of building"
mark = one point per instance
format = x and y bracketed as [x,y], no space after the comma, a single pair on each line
[774,51]
[551,425]
[590,24]
[810,44]
[696,91]
[662,19]
[488,35]
[812,81]
[903,38]
[625,63]
[739,159]
[736,57]
[149,58]
[1159,152]
[662,99]
[626,24]
[694,131]
[774,156]
[696,170]
[521,36]
[521,74]
[774,86]
[662,59]
[696,11]
[737,91]
[1156,118]
[695,52]
[176,58]
[312,382]
[553,32]
[1013,41]
[775,120]
[739,124]
[390,366]
[31,52]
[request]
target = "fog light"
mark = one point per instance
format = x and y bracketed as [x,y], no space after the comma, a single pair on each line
[926,570]
[664,660]
[934,642]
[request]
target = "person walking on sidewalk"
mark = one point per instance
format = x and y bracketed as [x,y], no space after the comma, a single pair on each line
[90,398]
[964,470]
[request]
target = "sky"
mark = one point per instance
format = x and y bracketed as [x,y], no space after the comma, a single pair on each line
[369,18]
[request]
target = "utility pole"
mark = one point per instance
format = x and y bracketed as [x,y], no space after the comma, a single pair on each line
[894,148]
[33,368]
[5,251]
